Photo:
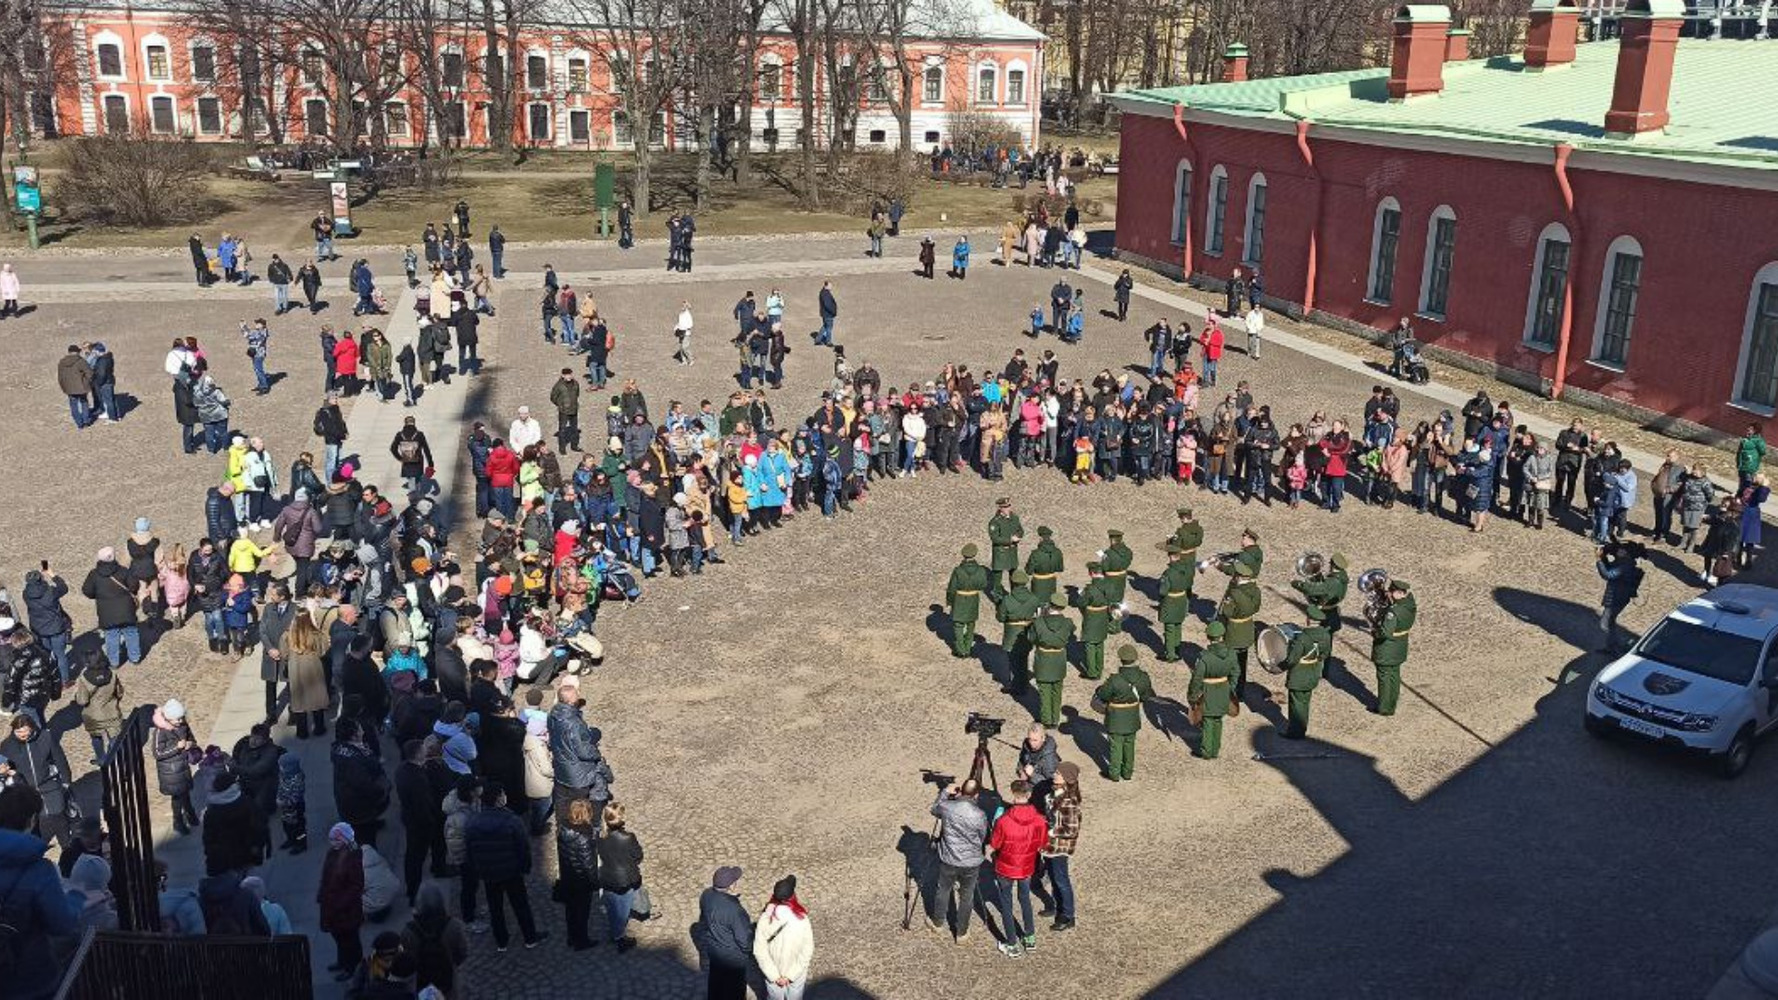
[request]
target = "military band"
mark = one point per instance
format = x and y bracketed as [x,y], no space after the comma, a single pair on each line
[1116,563]
[1209,695]
[1004,534]
[1050,635]
[963,596]
[1122,695]
[1304,661]
[1096,602]
[1176,599]
[1016,612]
[1044,565]
[1389,645]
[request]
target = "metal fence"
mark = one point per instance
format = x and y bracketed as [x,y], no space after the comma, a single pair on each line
[124,777]
[120,965]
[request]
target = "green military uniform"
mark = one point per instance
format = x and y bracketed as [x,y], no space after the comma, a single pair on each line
[1189,536]
[1209,691]
[1389,646]
[1122,694]
[1116,561]
[1017,610]
[1044,565]
[1095,603]
[963,595]
[1176,599]
[1050,635]
[1304,661]
[1326,592]
[1240,603]
[1004,532]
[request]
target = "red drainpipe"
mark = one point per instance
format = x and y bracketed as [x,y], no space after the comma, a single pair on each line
[1191,200]
[1561,380]
[1302,144]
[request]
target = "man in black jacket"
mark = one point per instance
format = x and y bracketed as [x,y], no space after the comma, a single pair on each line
[580,769]
[422,815]
[185,411]
[499,850]
[29,757]
[235,834]
[114,597]
[207,571]
[220,521]
[279,274]
[411,449]
[330,427]
[726,935]
[830,311]
[32,680]
[44,590]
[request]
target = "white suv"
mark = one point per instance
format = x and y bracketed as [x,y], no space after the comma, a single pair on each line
[1704,680]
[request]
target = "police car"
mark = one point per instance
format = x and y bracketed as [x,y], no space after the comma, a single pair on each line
[1704,680]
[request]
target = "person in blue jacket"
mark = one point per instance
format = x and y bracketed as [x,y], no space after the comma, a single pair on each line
[32,900]
[960,258]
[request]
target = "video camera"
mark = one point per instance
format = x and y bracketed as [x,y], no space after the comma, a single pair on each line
[983,727]
[939,778]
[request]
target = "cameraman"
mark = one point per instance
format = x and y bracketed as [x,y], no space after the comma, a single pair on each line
[1038,759]
[963,828]
[1623,580]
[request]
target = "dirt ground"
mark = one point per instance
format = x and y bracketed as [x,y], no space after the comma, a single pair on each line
[775,712]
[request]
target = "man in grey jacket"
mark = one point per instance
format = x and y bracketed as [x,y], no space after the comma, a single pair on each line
[1038,759]
[581,770]
[274,621]
[963,828]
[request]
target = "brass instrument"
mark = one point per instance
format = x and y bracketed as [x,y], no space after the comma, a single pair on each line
[1311,566]
[1273,646]
[1374,584]
[1219,561]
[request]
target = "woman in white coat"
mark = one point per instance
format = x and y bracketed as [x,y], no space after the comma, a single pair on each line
[784,943]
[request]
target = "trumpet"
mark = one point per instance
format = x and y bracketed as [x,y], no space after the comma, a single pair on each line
[1374,584]
[1218,561]
[1311,566]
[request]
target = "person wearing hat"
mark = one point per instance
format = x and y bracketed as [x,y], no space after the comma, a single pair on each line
[412,450]
[1304,661]
[1122,696]
[1240,603]
[1095,601]
[1190,536]
[1050,634]
[783,943]
[1016,611]
[963,595]
[1116,560]
[1389,645]
[170,743]
[1325,592]
[1004,533]
[726,936]
[1044,565]
[1176,598]
[1208,694]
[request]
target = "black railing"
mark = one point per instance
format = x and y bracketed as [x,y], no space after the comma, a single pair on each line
[124,777]
[121,965]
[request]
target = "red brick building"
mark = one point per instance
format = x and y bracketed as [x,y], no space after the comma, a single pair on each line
[142,65]
[1598,220]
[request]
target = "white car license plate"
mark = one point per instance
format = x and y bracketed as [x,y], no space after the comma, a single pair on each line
[1640,727]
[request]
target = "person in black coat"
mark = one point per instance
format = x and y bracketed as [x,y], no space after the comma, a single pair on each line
[236,837]
[185,411]
[422,815]
[360,788]
[449,669]
[32,757]
[309,277]
[726,936]
[357,675]
[499,851]
[500,753]
[220,522]
[200,261]
[577,859]
[256,761]
[620,874]
[412,450]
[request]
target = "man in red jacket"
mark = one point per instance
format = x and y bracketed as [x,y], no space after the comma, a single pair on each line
[1018,835]
[503,471]
[1211,339]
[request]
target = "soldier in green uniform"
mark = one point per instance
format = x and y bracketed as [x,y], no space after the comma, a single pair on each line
[963,595]
[1326,592]
[1389,645]
[1044,565]
[1116,561]
[1209,694]
[1189,536]
[1304,661]
[1176,598]
[1122,694]
[1240,603]
[1095,602]
[1018,609]
[1004,533]
[1050,635]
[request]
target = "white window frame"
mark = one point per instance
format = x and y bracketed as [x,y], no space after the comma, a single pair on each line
[391,115]
[327,115]
[157,41]
[1370,277]
[462,68]
[1182,200]
[1426,265]
[1625,244]
[129,113]
[1216,229]
[191,59]
[1256,183]
[531,120]
[459,110]
[198,116]
[933,63]
[303,55]
[990,70]
[1551,231]
[585,59]
[1024,97]
[585,115]
[771,65]
[171,101]
[621,118]
[114,40]
[1767,275]
[531,54]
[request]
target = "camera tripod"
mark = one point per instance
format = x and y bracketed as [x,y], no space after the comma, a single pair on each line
[982,764]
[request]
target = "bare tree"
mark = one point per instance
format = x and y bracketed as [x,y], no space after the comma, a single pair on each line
[36,57]
[501,22]
[635,38]
[423,30]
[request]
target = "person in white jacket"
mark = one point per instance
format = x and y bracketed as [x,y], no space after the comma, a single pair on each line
[783,943]
[682,333]
[524,432]
[1256,325]
[913,433]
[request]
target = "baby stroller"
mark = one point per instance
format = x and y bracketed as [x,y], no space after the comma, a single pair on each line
[1410,365]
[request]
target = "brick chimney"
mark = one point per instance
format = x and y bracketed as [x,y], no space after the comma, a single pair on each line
[1549,41]
[1457,45]
[1234,63]
[1416,65]
[1650,33]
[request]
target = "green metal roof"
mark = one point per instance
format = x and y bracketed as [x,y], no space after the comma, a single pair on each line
[1719,103]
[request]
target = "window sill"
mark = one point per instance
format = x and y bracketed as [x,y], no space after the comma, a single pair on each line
[1430,317]
[1606,365]
[1754,408]
[1539,348]
[1217,253]
[1384,303]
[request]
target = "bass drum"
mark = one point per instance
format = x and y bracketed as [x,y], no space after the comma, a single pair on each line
[1273,645]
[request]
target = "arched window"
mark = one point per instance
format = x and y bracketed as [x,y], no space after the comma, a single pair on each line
[771,79]
[108,50]
[1549,286]
[1216,213]
[1253,239]
[1016,75]
[1620,284]
[987,83]
[157,59]
[1435,271]
[932,84]
[1182,201]
[1756,377]
[1385,240]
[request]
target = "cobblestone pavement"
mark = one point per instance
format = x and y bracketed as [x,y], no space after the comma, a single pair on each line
[775,712]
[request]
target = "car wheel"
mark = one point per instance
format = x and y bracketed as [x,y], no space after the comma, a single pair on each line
[1734,759]
[1597,727]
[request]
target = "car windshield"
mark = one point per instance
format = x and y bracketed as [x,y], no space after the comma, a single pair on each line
[1702,650]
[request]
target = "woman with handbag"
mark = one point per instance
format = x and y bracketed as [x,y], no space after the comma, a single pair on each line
[620,875]
[1721,543]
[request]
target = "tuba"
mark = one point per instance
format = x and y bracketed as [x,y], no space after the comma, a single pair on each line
[1374,584]
[1311,566]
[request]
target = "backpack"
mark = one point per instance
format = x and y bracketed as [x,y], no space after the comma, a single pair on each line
[291,532]
[408,449]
